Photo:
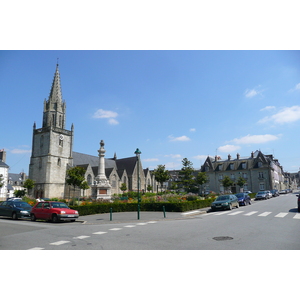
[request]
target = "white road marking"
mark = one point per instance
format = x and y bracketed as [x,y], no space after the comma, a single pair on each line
[130,226]
[141,223]
[265,214]
[251,213]
[152,222]
[81,237]
[36,248]
[100,232]
[281,215]
[222,213]
[236,213]
[59,243]
[115,229]
[190,212]
[297,216]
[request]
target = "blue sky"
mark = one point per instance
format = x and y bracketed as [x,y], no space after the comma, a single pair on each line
[169,104]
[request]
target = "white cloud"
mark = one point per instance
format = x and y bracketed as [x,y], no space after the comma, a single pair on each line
[183,138]
[228,148]
[20,151]
[192,129]
[268,108]
[285,115]
[296,88]
[150,159]
[250,93]
[178,156]
[113,122]
[255,139]
[106,114]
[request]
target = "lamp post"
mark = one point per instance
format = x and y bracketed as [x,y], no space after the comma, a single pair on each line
[137,153]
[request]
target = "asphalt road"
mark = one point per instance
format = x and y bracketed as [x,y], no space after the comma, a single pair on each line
[272,224]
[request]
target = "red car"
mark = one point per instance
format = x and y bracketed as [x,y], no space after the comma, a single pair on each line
[52,210]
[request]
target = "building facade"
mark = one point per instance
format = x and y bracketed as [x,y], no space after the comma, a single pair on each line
[260,172]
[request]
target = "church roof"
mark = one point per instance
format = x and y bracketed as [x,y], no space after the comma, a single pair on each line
[83,159]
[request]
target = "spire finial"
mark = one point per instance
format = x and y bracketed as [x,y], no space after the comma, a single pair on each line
[57,61]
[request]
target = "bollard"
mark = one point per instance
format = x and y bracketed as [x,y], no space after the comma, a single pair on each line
[164,210]
[138,212]
[110,213]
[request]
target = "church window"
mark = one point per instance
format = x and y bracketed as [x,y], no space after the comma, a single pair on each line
[89,179]
[59,121]
[59,162]
[114,181]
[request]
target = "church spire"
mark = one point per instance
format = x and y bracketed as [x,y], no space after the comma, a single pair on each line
[55,107]
[55,92]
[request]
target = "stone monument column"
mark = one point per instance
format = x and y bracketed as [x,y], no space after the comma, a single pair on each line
[101,187]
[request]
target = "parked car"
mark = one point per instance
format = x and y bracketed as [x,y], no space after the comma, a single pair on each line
[225,202]
[275,193]
[262,195]
[243,198]
[54,211]
[15,209]
[283,192]
[298,202]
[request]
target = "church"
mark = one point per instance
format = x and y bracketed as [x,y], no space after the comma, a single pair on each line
[52,155]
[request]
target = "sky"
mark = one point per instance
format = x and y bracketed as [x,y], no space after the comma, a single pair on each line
[171,104]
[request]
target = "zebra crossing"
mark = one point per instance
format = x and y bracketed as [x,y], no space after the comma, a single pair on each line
[255,213]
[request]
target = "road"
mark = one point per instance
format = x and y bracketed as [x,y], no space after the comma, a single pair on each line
[272,224]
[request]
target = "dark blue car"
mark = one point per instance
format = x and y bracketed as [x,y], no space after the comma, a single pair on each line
[243,198]
[15,209]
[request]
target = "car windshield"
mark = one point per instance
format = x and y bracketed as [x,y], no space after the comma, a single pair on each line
[240,195]
[222,198]
[59,205]
[21,204]
[261,193]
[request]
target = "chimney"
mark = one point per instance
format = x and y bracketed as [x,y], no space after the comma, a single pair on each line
[252,154]
[237,156]
[229,157]
[3,155]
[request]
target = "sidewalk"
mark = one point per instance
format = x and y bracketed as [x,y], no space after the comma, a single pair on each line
[131,217]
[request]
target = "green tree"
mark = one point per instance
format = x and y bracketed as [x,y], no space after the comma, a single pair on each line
[161,175]
[19,193]
[201,179]
[149,188]
[241,182]
[123,187]
[28,184]
[187,175]
[75,177]
[227,182]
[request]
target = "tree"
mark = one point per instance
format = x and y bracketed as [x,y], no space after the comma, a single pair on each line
[123,187]
[149,188]
[187,176]
[241,182]
[161,175]
[28,184]
[227,182]
[19,193]
[201,179]
[75,177]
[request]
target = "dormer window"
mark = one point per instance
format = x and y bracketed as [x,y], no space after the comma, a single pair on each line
[231,166]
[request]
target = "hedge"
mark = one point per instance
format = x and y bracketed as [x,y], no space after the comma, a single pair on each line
[99,208]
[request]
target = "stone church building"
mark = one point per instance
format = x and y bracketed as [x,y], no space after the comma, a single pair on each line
[52,155]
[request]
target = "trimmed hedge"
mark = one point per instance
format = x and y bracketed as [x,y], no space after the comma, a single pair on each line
[100,208]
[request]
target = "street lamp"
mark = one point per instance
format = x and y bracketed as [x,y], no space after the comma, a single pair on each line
[137,153]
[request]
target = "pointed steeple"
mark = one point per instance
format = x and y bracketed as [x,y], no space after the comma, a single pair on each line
[55,92]
[55,107]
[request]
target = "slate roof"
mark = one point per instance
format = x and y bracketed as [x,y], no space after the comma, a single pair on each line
[86,159]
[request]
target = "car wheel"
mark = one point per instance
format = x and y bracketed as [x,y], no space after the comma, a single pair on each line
[230,206]
[54,218]
[237,205]
[14,216]
[298,209]
[32,217]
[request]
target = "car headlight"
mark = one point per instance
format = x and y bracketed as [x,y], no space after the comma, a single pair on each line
[225,203]
[62,212]
[24,212]
[76,212]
